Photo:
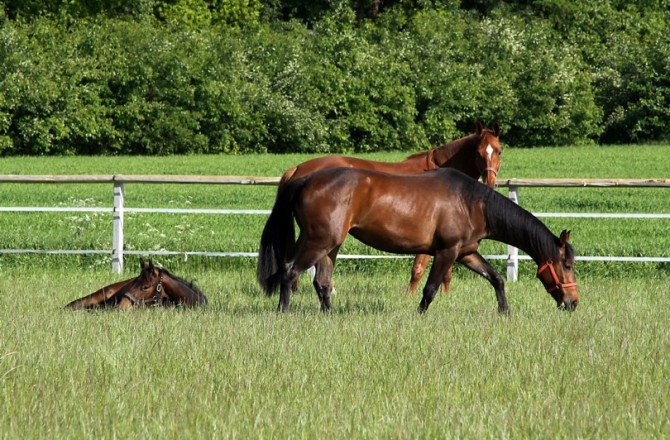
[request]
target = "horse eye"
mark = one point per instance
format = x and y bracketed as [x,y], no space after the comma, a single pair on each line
[145,287]
[567,266]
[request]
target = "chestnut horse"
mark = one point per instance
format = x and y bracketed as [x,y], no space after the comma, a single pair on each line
[383,210]
[477,155]
[153,287]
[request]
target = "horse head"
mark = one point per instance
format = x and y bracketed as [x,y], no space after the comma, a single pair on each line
[489,153]
[558,275]
[145,290]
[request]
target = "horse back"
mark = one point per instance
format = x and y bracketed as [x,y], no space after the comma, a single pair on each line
[321,163]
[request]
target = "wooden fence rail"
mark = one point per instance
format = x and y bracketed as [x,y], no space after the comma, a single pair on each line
[118,210]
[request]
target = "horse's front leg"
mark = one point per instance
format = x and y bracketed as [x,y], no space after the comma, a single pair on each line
[99,298]
[476,263]
[442,262]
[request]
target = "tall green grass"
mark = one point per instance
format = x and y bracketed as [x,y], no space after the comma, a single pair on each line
[372,368]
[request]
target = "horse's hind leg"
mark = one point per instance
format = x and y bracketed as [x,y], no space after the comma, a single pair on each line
[476,263]
[442,262]
[418,269]
[288,279]
[447,280]
[307,254]
[323,282]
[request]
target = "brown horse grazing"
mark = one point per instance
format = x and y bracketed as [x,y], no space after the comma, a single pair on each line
[477,155]
[153,287]
[382,210]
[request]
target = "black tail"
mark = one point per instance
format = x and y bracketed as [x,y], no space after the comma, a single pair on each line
[277,240]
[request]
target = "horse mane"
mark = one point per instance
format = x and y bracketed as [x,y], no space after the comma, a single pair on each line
[190,284]
[510,223]
[450,149]
[412,156]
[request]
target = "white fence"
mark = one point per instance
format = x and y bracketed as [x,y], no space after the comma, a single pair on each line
[118,210]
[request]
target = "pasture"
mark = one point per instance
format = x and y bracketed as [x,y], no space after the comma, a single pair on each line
[373,367]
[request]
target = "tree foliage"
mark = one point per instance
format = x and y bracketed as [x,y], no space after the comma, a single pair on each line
[229,76]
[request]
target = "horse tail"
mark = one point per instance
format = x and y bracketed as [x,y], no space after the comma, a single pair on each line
[278,238]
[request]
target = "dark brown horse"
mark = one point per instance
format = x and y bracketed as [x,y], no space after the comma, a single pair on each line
[383,211]
[153,287]
[477,155]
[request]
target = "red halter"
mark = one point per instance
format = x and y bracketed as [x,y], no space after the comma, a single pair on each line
[557,284]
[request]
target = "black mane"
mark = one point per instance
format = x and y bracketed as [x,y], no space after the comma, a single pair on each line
[510,223]
[190,284]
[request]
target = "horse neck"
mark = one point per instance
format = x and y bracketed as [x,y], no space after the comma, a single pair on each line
[511,224]
[416,163]
[459,154]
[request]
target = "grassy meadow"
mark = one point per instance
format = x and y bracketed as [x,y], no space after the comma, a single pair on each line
[373,368]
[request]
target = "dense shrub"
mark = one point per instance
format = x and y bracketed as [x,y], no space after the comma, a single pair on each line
[159,84]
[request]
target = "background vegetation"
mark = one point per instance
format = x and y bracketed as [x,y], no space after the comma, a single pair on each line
[240,76]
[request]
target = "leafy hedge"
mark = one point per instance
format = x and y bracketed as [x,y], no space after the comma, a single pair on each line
[339,84]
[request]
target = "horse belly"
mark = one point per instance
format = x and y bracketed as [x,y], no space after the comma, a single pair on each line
[395,244]
[396,232]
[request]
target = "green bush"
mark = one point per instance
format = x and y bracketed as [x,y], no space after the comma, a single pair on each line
[417,75]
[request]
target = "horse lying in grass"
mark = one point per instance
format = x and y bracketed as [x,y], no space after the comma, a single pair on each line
[442,213]
[478,155]
[153,287]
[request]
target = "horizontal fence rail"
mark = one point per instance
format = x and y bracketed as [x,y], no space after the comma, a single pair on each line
[118,210]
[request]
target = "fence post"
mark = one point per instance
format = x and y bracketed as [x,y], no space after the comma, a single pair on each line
[117,234]
[512,252]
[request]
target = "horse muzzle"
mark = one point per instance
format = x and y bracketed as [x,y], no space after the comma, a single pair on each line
[568,305]
[489,176]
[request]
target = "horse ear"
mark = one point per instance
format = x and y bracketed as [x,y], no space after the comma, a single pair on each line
[496,129]
[143,264]
[151,264]
[565,236]
[479,127]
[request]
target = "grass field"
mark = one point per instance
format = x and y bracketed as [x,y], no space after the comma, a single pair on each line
[373,368]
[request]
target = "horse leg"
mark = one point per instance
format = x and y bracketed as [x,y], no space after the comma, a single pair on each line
[289,277]
[307,254]
[323,282]
[476,263]
[418,269]
[447,280]
[442,262]
[311,271]
[99,298]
